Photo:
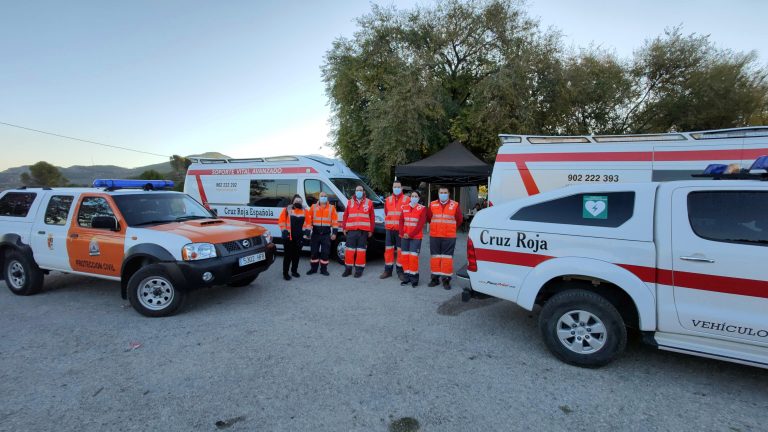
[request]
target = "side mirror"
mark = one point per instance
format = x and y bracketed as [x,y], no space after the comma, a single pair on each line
[105,222]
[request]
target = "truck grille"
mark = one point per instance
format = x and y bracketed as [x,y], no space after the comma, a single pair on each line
[242,245]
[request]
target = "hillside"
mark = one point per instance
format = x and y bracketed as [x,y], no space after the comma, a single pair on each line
[84,175]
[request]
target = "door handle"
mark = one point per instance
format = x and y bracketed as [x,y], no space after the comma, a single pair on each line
[697,259]
[41,232]
[74,236]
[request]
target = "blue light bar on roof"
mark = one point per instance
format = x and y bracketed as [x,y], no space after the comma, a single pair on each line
[760,163]
[715,169]
[132,184]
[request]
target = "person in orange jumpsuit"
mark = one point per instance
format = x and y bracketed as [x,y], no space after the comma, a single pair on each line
[444,218]
[358,227]
[392,208]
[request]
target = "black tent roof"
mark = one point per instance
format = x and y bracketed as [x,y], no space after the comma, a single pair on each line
[452,165]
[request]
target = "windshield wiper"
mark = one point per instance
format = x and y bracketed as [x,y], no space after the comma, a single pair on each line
[191,217]
[153,222]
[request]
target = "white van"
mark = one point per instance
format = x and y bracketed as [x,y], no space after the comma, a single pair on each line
[256,190]
[526,165]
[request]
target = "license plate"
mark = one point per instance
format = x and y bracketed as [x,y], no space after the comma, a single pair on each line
[250,259]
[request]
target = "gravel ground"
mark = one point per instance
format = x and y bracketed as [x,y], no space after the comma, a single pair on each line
[332,354]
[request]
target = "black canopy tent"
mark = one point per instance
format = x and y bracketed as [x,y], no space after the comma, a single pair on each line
[454,165]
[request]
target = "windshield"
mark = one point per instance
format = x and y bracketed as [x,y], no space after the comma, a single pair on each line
[156,208]
[348,185]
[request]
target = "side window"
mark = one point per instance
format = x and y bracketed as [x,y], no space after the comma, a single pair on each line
[272,193]
[332,197]
[91,207]
[16,204]
[58,209]
[312,191]
[730,216]
[601,209]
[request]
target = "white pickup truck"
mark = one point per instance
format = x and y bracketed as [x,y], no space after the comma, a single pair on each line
[684,262]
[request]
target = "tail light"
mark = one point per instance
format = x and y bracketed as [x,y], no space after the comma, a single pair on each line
[471,258]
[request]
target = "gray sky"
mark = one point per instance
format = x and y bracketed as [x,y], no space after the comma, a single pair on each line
[241,77]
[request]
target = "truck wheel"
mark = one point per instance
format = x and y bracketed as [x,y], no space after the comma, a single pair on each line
[21,274]
[242,282]
[340,248]
[153,292]
[582,328]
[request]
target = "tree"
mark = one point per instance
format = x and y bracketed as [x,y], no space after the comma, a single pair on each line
[179,165]
[43,174]
[151,175]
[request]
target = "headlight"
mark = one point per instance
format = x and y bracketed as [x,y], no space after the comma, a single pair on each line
[198,251]
[267,237]
[379,219]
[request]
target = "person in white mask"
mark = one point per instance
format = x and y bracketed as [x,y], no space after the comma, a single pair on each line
[444,218]
[392,209]
[358,226]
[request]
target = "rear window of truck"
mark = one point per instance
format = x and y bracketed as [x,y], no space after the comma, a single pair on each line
[16,204]
[598,209]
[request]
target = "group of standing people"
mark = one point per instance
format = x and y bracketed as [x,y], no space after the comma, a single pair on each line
[404,221]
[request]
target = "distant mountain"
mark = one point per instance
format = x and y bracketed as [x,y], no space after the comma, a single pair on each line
[84,175]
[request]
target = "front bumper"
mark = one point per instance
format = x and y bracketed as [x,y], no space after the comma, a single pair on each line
[224,269]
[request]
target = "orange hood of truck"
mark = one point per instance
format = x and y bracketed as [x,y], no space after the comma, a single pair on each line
[212,230]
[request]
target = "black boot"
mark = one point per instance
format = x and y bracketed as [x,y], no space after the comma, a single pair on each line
[434,282]
[447,283]
[358,272]
[286,276]
[347,272]
[385,274]
[324,270]
[295,274]
[312,268]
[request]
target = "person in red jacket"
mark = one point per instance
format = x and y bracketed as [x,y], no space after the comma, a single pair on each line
[358,225]
[412,219]
[444,217]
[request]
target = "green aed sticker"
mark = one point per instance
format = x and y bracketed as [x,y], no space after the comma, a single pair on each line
[595,207]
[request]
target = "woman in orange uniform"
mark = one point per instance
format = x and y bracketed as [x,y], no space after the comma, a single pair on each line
[412,220]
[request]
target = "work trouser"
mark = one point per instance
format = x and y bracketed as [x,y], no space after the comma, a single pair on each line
[320,247]
[354,256]
[291,255]
[392,245]
[441,259]
[410,258]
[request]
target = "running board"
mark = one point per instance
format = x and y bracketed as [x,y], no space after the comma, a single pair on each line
[736,352]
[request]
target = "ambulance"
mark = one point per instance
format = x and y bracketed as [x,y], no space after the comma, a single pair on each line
[256,190]
[527,165]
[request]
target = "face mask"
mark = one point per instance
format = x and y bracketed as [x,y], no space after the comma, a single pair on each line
[414,200]
[396,191]
[323,200]
[359,194]
[297,205]
[443,197]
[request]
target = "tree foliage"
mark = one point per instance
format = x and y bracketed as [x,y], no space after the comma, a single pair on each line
[151,175]
[409,82]
[43,174]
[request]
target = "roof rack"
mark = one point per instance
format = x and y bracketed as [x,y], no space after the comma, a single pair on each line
[744,132]
[244,160]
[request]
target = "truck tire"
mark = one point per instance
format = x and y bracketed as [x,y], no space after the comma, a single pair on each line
[582,328]
[21,274]
[154,293]
[339,247]
[242,282]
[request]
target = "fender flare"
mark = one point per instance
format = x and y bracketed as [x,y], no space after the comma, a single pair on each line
[13,241]
[641,294]
[146,250]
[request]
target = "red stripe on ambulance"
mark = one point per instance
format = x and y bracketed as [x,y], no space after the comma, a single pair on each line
[252,171]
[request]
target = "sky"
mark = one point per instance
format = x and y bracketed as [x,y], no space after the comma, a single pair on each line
[242,77]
